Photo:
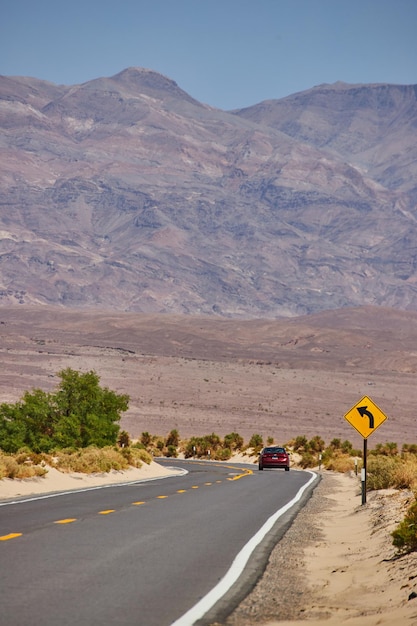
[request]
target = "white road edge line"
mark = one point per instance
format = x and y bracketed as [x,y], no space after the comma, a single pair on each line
[205,604]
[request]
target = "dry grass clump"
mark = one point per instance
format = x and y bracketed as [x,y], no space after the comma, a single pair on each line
[19,466]
[405,474]
[94,460]
[341,463]
[135,456]
[384,472]
[91,460]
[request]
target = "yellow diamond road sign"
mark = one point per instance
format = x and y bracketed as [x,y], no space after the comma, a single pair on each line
[365,416]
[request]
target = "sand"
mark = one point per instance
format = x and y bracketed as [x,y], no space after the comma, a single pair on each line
[354,573]
[55,480]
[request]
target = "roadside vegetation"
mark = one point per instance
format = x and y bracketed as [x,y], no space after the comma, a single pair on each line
[76,429]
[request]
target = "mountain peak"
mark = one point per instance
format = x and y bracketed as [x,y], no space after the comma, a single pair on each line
[152,84]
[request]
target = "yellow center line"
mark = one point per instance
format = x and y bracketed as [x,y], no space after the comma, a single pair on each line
[137,503]
[208,484]
[246,473]
[10,536]
[66,521]
[161,497]
[194,487]
[181,490]
[106,512]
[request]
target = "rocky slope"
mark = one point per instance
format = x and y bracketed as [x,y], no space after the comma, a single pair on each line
[126,193]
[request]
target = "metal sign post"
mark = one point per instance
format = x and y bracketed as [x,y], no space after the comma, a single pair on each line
[365,417]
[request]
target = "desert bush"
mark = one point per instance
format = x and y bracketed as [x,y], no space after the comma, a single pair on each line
[340,462]
[300,444]
[410,448]
[233,441]
[390,448]
[10,468]
[223,454]
[173,439]
[123,440]
[405,474]
[316,444]
[135,456]
[308,460]
[171,452]
[256,442]
[91,460]
[146,439]
[405,535]
[381,472]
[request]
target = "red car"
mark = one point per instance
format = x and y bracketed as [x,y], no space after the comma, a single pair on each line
[274,456]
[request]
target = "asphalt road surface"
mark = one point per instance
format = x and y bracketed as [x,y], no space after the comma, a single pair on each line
[182,550]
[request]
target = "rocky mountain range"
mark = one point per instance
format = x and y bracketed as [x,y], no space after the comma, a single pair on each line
[126,193]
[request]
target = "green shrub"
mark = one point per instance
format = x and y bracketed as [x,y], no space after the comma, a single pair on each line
[300,444]
[405,535]
[386,449]
[233,441]
[308,460]
[223,454]
[123,439]
[173,439]
[316,444]
[172,451]
[256,442]
[146,439]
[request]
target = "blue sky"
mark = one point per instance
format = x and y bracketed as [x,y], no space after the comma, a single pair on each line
[226,53]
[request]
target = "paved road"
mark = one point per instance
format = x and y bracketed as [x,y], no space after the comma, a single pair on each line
[147,554]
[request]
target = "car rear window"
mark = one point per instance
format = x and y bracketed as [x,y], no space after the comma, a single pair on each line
[275,450]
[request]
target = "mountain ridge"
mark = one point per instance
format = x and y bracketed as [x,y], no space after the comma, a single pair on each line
[127,193]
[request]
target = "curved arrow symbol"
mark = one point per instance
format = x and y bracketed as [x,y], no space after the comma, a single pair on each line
[363,410]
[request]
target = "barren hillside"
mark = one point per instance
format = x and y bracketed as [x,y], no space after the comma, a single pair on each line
[199,374]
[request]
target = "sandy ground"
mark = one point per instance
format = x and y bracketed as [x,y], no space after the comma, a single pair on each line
[352,571]
[55,480]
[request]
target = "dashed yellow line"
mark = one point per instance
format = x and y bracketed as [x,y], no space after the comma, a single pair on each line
[10,536]
[69,520]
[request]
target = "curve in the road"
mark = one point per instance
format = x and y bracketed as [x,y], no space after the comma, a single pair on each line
[199,610]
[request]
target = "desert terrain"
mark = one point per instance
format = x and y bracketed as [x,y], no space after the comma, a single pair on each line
[279,378]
